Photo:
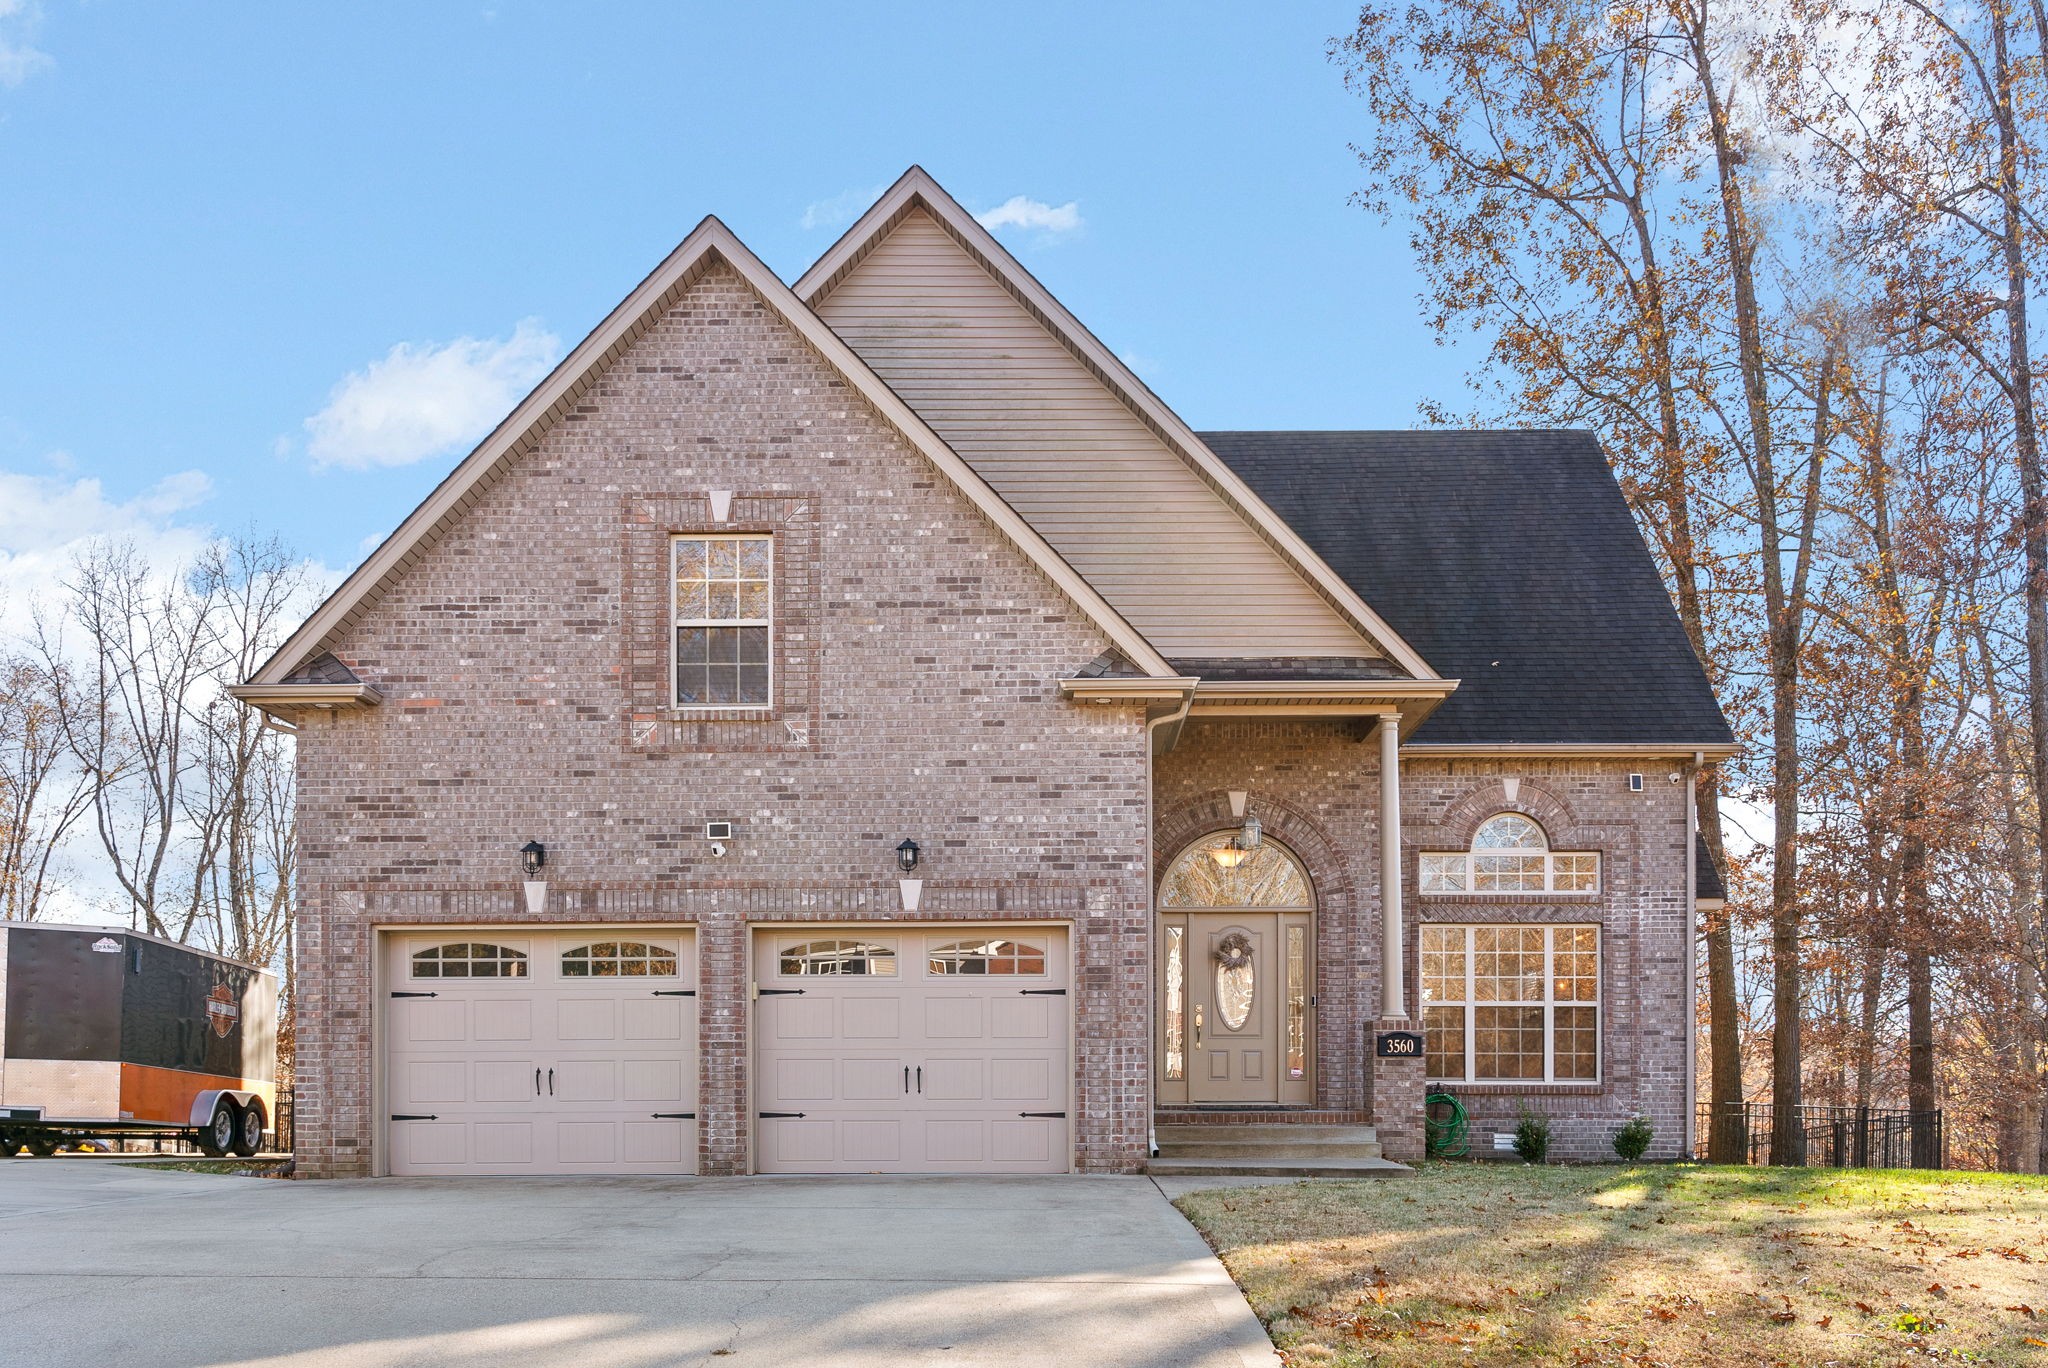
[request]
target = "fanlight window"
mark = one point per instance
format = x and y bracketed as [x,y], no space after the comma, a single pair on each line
[468,959]
[619,959]
[810,958]
[988,957]
[1265,876]
[1510,854]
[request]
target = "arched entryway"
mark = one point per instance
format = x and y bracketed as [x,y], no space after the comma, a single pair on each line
[1236,975]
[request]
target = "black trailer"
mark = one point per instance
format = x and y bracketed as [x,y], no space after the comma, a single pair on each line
[111,1034]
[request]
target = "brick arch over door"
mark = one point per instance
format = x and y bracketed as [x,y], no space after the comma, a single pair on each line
[1347,971]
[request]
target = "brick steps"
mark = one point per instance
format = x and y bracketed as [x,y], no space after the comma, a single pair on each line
[1289,1146]
[1297,1168]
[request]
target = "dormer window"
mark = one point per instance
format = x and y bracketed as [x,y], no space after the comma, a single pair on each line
[1510,854]
[723,614]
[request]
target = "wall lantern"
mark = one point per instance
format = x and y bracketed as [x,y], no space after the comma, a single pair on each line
[906,856]
[533,857]
[1233,853]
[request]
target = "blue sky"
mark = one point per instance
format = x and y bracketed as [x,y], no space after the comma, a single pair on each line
[280,268]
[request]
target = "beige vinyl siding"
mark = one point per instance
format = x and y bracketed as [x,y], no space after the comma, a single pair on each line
[1111,497]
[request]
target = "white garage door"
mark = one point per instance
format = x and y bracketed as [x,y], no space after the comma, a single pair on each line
[933,1050]
[525,1051]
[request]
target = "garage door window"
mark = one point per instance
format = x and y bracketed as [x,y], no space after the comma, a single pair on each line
[810,958]
[469,959]
[619,959]
[988,957]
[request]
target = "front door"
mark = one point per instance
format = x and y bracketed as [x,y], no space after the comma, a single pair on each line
[1233,1002]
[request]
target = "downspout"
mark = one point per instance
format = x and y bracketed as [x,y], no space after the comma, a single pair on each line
[1159,743]
[1692,959]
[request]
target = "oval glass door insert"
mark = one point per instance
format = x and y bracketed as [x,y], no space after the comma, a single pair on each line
[1234,980]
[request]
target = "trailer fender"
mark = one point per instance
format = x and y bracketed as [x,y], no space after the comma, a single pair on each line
[204,1102]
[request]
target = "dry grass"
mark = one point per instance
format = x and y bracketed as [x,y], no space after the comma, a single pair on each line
[238,1168]
[1680,1265]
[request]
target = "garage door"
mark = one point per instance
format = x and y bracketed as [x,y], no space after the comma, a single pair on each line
[928,1051]
[565,1051]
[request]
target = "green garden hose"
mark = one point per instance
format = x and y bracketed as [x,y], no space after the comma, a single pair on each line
[1446,1138]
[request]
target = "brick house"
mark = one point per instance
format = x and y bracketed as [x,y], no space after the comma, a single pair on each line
[859,727]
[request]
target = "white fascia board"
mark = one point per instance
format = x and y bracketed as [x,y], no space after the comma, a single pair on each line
[917,186]
[710,240]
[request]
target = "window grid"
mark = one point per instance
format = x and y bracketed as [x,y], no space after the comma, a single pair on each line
[1509,854]
[987,957]
[469,959]
[810,959]
[619,959]
[1511,1004]
[722,611]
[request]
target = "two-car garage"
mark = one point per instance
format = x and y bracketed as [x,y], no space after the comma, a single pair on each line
[907,1048]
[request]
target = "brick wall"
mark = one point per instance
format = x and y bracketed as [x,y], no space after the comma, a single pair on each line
[1315,786]
[523,662]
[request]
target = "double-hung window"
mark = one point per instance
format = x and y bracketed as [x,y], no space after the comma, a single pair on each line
[1511,1004]
[724,614]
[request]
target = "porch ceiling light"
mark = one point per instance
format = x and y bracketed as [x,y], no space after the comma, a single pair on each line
[533,856]
[1232,853]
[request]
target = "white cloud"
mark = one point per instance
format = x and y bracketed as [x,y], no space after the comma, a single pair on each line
[19,59]
[843,208]
[45,521]
[425,400]
[1021,211]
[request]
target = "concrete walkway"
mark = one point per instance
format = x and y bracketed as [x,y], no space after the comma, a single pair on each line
[102,1263]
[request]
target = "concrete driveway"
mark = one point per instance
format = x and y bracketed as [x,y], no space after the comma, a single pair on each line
[102,1263]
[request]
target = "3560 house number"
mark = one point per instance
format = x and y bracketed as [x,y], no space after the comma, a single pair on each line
[1399,1045]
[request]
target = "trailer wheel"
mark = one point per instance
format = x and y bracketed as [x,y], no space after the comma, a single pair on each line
[249,1131]
[219,1136]
[41,1146]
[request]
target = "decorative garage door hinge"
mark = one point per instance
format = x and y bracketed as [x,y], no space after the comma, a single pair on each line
[778,992]
[675,1116]
[782,1116]
[1042,992]
[675,992]
[415,1118]
[415,995]
[1058,1114]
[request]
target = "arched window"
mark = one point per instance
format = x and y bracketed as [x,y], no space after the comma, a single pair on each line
[1510,854]
[1219,872]
[619,959]
[987,957]
[468,959]
[809,958]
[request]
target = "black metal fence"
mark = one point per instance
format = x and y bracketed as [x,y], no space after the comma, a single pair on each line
[1828,1137]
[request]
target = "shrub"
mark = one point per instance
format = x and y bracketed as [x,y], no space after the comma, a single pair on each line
[1632,1141]
[1532,1138]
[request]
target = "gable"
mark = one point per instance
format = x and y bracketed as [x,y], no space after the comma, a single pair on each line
[1145,527]
[555,402]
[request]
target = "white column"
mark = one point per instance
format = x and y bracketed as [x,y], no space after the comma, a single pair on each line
[1393,965]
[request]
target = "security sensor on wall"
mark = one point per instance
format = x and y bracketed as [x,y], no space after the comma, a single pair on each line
[718,833]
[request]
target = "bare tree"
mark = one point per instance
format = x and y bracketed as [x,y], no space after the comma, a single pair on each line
[42,793]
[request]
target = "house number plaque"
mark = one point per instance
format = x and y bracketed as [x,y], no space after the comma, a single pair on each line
[1399,1045]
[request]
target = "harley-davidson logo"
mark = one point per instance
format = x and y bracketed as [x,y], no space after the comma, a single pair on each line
[222,1011]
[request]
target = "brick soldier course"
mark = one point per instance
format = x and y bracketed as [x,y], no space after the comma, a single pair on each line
[511,674]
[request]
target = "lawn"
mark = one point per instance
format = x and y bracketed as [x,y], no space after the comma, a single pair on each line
[1659,1265]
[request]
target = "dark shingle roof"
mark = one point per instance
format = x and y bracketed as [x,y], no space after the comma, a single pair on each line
[1510,561]
[1706,874]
